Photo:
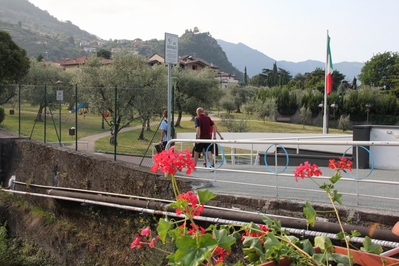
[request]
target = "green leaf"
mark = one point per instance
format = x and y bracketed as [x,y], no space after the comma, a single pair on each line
[179,204]
[205,196]
[324,243]
[163,227]
[274,225]
[224,240]
[341,235]
[271,242]
[193,251]
[310,214]
[355,233]
[335,178]
[307,247]
[337,197]
[369,247]
[252,242]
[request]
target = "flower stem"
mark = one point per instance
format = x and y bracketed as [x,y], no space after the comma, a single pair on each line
[341,226]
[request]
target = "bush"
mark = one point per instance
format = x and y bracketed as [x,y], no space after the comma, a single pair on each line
[233,125]
[343,122]
[16,252]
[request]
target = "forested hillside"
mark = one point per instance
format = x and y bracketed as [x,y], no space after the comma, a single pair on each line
[38,32]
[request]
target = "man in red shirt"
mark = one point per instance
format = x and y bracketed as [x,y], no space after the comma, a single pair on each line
[214,147]
[203,125]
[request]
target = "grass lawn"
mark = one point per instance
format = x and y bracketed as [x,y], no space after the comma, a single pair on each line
[129,142]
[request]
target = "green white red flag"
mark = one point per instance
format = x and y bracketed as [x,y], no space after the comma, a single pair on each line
[329,68]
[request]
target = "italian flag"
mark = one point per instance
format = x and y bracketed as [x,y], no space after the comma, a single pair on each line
[329,68]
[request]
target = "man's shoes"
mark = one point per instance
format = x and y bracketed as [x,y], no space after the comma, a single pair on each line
[212,168]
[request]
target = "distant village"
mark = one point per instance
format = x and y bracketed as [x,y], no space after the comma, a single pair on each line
[190,62]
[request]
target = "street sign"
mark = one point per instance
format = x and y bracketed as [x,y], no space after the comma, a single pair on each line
[60,95]
[171,48]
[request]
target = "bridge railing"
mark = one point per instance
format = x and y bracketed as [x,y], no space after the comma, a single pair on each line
[371,188]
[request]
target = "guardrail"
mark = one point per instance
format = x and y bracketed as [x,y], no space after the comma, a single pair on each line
[371,188]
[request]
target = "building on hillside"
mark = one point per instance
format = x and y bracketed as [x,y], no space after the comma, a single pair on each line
[226,79]
[156,59]
[74,64]
[84,43]
[194,63]
[102,42]
[90,50]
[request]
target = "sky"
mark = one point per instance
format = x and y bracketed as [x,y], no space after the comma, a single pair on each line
[291,30]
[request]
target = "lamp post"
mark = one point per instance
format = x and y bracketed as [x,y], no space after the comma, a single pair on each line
[334,107]
[60,97]
[368,106]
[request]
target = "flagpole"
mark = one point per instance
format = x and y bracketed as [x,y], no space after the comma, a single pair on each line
[325,115]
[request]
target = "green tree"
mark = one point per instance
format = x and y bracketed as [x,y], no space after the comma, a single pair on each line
[193,89]
[71,40]
[381,71]
[305,114]
[39,75]
[104,54]
[14,65]
[245,80]
[258,80]
[316,79]
[39,58]
[240,95]
[141,90]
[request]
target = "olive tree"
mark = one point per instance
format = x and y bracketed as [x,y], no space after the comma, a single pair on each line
[193,89]
[138,88]
[41,75]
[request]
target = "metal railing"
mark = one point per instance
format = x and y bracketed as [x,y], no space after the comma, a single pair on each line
[371,188]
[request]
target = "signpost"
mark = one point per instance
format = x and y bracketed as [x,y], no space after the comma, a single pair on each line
[171,58]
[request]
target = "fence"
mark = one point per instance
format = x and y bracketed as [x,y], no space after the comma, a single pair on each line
[369,188]
[86,118]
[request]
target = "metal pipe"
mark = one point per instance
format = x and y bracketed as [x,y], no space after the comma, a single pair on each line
[219,215]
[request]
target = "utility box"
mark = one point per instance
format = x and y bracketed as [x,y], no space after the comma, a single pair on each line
[72,131]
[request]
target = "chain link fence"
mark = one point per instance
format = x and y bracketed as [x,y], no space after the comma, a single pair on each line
[100,120]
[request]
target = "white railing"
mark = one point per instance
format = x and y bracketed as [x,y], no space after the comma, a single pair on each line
[373,188]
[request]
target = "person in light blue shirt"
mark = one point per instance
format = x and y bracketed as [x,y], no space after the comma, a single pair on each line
[164,129]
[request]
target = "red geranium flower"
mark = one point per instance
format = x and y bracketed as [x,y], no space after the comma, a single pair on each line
[169,161]
[307,170]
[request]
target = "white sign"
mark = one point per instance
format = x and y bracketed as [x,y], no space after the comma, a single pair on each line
[171,48]
[60,95]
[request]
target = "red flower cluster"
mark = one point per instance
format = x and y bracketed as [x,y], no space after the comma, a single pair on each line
[192,209]
[194,229]
[264,229]
[138,240]
[221,253]
[343,164]
[307,170]
[169,161]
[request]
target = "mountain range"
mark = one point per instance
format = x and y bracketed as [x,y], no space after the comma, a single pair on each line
[38,32]
[241,56]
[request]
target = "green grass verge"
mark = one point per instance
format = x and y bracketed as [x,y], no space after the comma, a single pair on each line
[129,142]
